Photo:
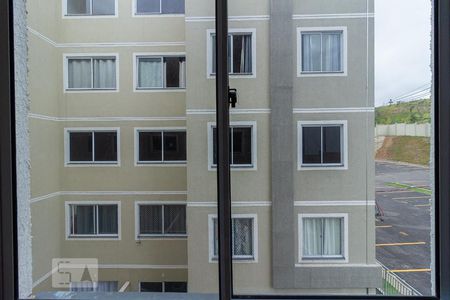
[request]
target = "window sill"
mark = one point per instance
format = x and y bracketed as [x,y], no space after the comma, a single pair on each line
[93,238]
[91,164]
[162,237]
[322,167]
[158,15]
[236,260]
[162,164]
[86,91]
[160,90]
[237,76]
[322,74]
[322,260]
[236,168]
[89,16]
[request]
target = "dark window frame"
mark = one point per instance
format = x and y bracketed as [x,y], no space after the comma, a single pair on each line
[163,234]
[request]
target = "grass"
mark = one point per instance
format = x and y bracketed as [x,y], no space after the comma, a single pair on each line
[409,149]
[418,111]
[410,187]
[389,290]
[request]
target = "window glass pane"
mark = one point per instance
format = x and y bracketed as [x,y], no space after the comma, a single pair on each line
[242,237]
[78,7]
[332,145]
[148,6]
[155,287]
[311,53]
[150,72]
[242,53]
[175,71]
[311,145]
[150,146]
[175,287]
[105,73]
[105,146]
[332,236]
[150,219]
[175,219]
[172,6]
[80,146]
[103,7]
[242,146]
[79,74]
[83,219]
[107,219]
[312,237]
[174,146]
[331,52]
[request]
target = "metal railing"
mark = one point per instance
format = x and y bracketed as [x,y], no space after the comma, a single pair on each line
[394,285]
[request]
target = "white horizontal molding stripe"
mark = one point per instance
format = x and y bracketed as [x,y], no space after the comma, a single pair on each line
[338,265]
[334,110]
[237,111]
[107,193]
[235,204]
[230,18]
[138,266]
[333,16]
[103,119]
[335,203]
[103,45]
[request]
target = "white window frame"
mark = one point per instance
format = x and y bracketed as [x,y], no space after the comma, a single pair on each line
[96,237]
[323,260]
[344,146]
[67,56]
[68,163]
[236,259]
[209,54]
[91,16]
[344,51]
[137,163]
[138,55]
[139,236]
[251,167]
[135,14]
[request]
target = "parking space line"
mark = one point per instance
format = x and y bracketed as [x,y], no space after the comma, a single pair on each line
[415,197]
[423,205]
[409,270]
[383,226]
[403,233]
[401,244]
[395,192]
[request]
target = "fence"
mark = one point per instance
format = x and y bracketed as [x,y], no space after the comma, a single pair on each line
[402,129]
[393,285]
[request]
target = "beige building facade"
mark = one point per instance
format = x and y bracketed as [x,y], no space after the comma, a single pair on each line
[110,85]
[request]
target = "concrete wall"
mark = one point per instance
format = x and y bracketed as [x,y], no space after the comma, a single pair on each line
[402,129]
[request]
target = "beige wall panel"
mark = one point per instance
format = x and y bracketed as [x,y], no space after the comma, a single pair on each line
[236,8]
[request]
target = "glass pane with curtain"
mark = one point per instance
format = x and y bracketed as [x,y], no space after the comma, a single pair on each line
[103,7]
[148,6]
[175,219]
[78,7]
[107,219]
[79,73]
[242,146]
[242,237]
[312,237]
[83,219]
[80,146]
[174,146]
[150,146]
[332,144]
[105,73]
[150,73]
[311,52]
[332,237]
[242,54]
[311,145]
[331,52]
[150,219]
[172,6]
[105,145]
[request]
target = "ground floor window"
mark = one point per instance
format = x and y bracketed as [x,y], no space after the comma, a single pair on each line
[164,287]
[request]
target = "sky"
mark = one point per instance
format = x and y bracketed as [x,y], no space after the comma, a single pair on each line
[402,48]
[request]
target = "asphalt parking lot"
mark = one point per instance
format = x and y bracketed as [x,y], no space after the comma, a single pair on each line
[403,232]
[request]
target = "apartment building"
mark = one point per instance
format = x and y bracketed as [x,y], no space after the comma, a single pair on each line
[123,164]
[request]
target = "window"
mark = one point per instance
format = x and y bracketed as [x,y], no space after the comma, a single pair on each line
[160,220]
[244,237]
[92,146]
[160,147]
[92,220]
[90,7]
[163,287]
[151,7]
[242,145]
[241,52]
[94,286]
[323,237]
[90,73]
[160,72]
[322,51]
[322,144]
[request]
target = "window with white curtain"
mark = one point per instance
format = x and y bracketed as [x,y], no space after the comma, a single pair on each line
[161,220]
[91,73]
[243,237]
[322,237]
[150,7]
[160,72]
[90,7]
[240,53]
[93,220]
[322,52]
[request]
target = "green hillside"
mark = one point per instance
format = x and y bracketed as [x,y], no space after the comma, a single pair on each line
[417,111]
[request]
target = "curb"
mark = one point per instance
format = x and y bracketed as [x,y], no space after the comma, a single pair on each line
[399,163]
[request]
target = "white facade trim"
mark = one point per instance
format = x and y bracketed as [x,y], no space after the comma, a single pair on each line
[344,52]
[333,16]
[233,204]
[211,218]
[66,16]
[230,18]
[117,237]
[325,265]
[209,54]
[335,203]
[233,111]
[102,119]
[344,146]
[254,164]
[334,110]
[345,236]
